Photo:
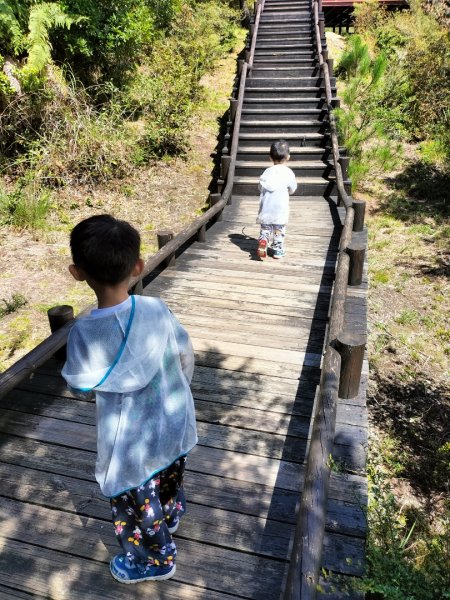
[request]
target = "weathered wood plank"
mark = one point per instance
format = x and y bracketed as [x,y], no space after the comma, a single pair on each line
[46,573]
[213,463]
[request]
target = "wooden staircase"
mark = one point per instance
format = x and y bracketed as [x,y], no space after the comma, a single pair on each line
[284,99]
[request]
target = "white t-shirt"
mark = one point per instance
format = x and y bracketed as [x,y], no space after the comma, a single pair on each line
[275,185]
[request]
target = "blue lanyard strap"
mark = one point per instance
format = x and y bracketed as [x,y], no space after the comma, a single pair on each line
[122,346]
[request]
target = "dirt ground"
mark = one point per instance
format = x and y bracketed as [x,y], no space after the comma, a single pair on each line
[166,195]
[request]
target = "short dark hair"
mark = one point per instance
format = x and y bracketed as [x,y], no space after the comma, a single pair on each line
[279,150]
[105,248]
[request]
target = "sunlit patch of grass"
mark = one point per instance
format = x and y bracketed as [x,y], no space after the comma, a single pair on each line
[380,276]
[407,317]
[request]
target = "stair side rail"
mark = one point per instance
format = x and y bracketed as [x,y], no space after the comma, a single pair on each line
[306,556]
[259,9]
[47,348]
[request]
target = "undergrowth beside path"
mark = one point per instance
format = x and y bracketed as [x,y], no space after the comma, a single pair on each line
[167,193]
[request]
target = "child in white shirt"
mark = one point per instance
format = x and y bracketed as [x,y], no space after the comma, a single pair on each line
[275,185]
[137,359]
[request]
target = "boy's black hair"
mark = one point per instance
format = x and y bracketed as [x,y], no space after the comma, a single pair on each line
[279,151]
[105,248]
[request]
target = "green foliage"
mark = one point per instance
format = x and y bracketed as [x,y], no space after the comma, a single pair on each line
[146,58]
[361,132]
[12,305]
[167,88]
[43,17]
[415,104]
[407,560]
[25,207]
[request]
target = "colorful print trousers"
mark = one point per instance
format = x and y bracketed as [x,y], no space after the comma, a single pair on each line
[143,515]
[274,233]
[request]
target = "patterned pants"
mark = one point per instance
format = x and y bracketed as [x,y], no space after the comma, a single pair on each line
[143,515]
[276,233]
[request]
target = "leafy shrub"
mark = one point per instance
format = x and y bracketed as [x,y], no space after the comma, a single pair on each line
[26,207]
[363,134]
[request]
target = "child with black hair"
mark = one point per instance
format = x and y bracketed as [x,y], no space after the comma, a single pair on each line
[275,185]
[137,359]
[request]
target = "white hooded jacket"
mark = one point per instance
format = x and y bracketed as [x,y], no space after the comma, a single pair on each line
[275,185]
[139,361]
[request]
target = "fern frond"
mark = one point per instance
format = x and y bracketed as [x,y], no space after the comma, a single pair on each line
[10,23]
[43,17]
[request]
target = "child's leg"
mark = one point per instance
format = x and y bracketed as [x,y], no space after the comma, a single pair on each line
[265,236]
[279,233]
[172,496]
[140,525]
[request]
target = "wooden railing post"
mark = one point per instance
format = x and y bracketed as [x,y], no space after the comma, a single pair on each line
[356,252]
[201,234]
[214,199]
[233,108]
[344,161]
[322,26]
[164,237]
[225,162]
[359,207]
[351,347]
[57,317]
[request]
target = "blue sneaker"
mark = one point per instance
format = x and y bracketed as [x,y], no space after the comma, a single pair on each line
[127,571]
[278,253]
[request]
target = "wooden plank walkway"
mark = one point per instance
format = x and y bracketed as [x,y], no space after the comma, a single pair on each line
[258,329]
[257,369]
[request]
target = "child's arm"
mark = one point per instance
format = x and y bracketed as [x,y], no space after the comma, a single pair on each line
[292,185]
[184,346]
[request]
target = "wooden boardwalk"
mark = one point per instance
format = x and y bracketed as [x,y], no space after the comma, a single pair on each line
[257,368]
[258,329]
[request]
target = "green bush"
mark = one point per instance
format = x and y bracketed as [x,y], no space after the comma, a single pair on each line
[415,100]
[26,207]
[361,129]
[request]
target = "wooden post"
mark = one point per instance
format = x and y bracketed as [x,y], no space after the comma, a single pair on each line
[344,162]
[325,54]
[201,234]
[233,108]
[225,162]
[240,65]
[348,187]
[356,252]
[213,200]
[359,207]
[322,26]
[351,348]
[330,63]
[252,30]
[336,103]
[163,238]
[319,5]
[57,317]
[226,147]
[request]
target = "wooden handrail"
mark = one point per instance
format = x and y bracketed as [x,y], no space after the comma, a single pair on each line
[255,34]
[46,349]
[305,563]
